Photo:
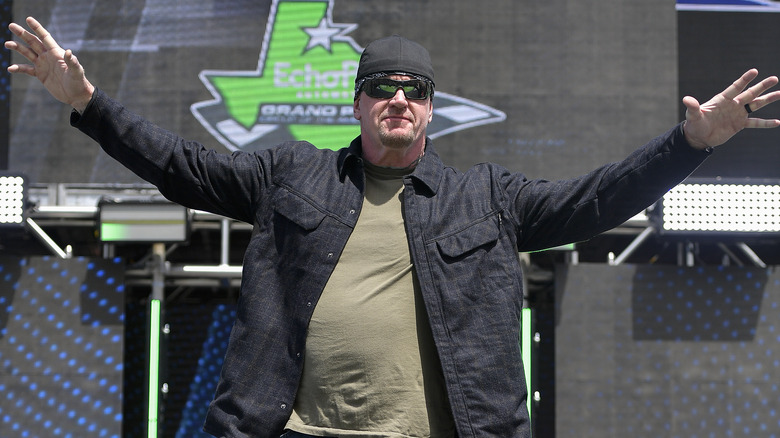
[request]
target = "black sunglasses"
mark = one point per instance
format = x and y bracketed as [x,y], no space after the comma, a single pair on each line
[384,88]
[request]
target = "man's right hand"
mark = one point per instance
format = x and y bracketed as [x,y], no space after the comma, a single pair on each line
[57,69]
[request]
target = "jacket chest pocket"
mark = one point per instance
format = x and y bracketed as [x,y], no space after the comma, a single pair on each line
[477,268]
[480,235]
[296,211]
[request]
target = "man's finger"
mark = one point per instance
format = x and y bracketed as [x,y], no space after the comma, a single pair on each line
[45,37]
[764,100]
[736,88]
[21,49]
[29,38]
[71,61]
[22,68]
[762,123]
[752,94]
[692,106]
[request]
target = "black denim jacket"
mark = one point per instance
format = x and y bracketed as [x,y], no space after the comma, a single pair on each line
[465,230]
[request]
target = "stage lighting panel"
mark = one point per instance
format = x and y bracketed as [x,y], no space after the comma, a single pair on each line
[142,220]
[13,199]
[721,208]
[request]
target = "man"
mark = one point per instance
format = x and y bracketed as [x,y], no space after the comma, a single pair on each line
[381,289]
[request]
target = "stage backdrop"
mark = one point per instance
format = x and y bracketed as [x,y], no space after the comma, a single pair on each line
[5,82]
[61,347]
[649,351]
[551,88]
[713,38]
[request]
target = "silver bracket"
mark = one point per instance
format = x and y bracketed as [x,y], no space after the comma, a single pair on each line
[46,240]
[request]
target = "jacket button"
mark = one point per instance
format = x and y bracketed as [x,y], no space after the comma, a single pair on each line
[283,406]
[352,211]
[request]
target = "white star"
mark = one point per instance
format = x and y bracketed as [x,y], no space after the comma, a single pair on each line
[324,33]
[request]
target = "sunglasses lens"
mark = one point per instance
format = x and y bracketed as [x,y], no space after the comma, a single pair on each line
[391,89]
[386,88]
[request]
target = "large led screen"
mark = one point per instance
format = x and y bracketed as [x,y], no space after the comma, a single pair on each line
[552,89]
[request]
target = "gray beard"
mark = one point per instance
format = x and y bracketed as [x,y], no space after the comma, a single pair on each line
[396,141]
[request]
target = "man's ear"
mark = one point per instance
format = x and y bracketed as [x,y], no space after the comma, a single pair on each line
[356,108]
[430,111]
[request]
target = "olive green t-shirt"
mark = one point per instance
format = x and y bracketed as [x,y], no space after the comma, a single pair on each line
[371,367]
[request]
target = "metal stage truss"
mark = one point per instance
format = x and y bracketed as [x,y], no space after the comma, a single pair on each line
[63,221]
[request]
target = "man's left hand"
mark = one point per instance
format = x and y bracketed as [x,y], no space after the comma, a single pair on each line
[717,120]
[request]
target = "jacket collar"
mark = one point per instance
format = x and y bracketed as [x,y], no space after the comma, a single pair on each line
[429,169]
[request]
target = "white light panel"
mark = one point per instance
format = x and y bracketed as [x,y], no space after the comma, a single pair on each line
[12,199]
[131,221]
[739,208]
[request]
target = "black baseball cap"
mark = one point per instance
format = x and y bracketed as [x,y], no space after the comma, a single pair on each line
[395,54]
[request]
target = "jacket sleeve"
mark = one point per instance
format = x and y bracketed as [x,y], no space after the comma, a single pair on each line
[549,214]
[185,172]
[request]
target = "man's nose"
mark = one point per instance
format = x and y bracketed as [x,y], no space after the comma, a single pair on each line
[399,98]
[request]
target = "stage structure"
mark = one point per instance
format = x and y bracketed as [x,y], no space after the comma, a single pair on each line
[6,7]
[61,346]
[648,351]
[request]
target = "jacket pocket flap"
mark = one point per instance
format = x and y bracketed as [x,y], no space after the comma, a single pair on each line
[464,241]
[298,210]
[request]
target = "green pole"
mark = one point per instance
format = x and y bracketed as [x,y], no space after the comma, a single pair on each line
[526,342]
[154,366]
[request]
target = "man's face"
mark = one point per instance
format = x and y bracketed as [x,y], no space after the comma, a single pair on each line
[395,123]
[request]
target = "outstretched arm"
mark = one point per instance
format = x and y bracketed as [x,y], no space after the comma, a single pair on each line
[57,69]
[717,120]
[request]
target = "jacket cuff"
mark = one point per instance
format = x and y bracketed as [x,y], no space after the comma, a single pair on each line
[680,144]
[75,116]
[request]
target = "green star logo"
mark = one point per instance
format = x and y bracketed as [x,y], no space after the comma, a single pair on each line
[303,87]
